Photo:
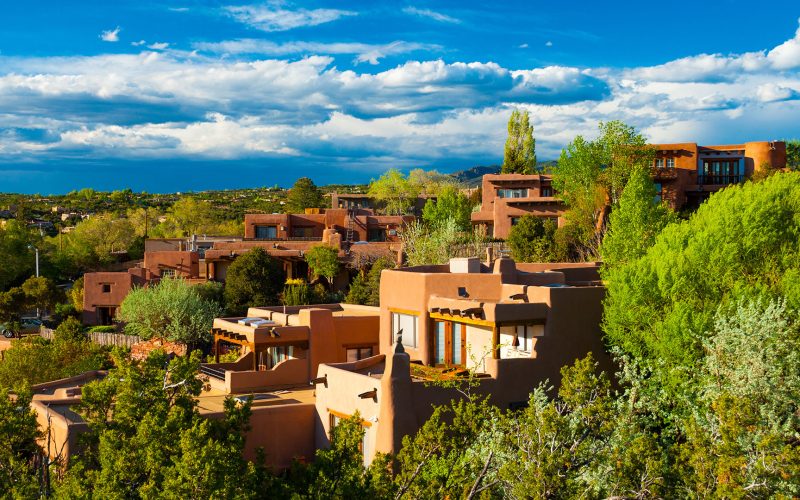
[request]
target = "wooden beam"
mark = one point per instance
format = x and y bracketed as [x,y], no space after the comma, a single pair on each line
[462,319]
[495,342]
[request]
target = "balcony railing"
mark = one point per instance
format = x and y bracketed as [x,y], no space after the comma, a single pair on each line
[721,179]
[662,173]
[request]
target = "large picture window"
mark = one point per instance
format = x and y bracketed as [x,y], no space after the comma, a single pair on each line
[449,343]
[512,193]
[266,232]
[408,324]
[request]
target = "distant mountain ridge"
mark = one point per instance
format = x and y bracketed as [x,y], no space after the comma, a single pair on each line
[472,177]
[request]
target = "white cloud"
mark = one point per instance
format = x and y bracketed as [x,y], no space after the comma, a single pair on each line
[771,92]
[786,55]
[111,35]
[273,17]
[364,52]
[430,14]
[218,104]
[522,46]
[548,43]
[158,46]
[139,43]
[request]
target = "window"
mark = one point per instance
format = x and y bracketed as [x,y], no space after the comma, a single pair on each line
[278,354]
[303,232]
[514,221]
[167,272]
[659,162]
[106,287]
[525,336]
[659,192]
[512,193]
[546,191]
[670,162]
[266,232]
[376,234]
[357,353]
[408,324]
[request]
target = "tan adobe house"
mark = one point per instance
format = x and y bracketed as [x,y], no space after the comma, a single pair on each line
[105,291]
[684,175]
[350,201]
[513,325]
[507,197]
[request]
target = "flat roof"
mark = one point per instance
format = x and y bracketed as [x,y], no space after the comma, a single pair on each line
[213,400]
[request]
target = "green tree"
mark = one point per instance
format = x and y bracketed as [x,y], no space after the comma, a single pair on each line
[76,294]
[155,443]
[304,194]
[19,452]
[519,156]
[192,216]
[532,239]
[253,279]
[95,240]
[425,245]
[394,191]
[33,360]
[591,176]
[16,254]
[41,293]
[450,203]
[339,472]
[793,154]
[660,308]
[170,309]
[366,286]
[323,260]
[430,182]
[633,226]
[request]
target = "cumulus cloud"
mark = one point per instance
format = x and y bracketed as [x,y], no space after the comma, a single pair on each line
[364,52]
[158,46]
[111,35]
[430,14]
[274,17]
[245,98]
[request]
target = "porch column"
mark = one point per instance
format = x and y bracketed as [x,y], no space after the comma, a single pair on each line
[495,342]
[216,349]
[255,356]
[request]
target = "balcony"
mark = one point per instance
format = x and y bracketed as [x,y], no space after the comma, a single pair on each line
[719,179]
[663,174]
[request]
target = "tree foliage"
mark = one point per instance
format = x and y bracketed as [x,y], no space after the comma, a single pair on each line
[16,254]
[366,286]
[304,194]
[450,203]
[591,176]
[253,279]
[155,443]
[519,156]
[20,455]
[394,191]
[170,309]
[793,154]
[323,260]
[426,245]
[533,239]
[634,225]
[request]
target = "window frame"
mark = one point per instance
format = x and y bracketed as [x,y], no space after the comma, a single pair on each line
[396,327]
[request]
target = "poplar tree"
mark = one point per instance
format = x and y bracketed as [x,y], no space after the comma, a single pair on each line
[520,151]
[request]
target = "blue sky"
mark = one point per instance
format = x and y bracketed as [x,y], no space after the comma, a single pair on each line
[178,96]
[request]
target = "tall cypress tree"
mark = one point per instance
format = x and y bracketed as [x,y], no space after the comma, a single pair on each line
[520,150]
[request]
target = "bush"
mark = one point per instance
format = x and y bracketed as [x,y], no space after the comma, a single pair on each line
[171,309]
[103,329]
[70,330]
[532,239]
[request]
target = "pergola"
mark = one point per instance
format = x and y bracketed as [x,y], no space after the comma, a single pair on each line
[256,338]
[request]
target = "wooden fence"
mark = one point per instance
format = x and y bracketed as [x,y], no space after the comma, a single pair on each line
[102,338]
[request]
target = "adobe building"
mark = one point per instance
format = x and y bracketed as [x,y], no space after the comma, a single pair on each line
[353,224]
[686,174]
[103,292]
[507,197]
[513,325]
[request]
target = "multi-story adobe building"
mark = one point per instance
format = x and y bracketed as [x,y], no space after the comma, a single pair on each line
[507,197]
[103,292]
[513,325]
[684,175]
